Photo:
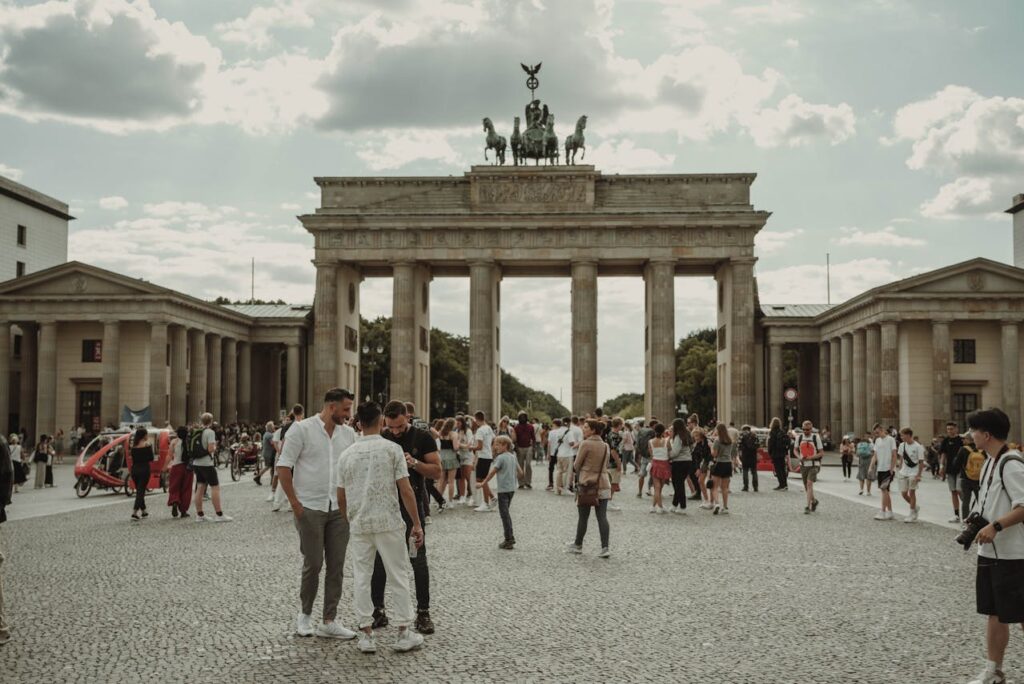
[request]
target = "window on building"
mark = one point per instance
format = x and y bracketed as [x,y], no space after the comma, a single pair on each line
[19,269]
[92,351]
[963,405]
[22,236]
[963,351]
[721,338]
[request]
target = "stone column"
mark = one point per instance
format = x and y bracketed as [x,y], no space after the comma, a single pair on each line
[29,356]
[403,332]
[197,375]
[229,372]
[158,372]
[46,399]
[179,376]
[325,330]
[275,382]
[484,312]
[292,375]
[584,337]
[860,395]
[245,381]
[1011,377]
[659,342]
[348,280]
[836,386]
[873,370]
[214,388]
[889,377]
[110,394]
[741,347]
[824,385]
[942,390]
[775,382]
[846,378]
[5,377]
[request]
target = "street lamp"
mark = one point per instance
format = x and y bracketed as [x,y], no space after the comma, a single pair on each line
[371,363]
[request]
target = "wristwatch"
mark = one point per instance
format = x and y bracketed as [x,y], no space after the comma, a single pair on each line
[998,526]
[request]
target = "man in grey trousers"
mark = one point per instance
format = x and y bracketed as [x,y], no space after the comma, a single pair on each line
[305,471]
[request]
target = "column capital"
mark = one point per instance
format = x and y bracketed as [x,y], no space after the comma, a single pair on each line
[742,261]
[1009,321]
[481,262]
[942,320]
[324,263]
[160,320]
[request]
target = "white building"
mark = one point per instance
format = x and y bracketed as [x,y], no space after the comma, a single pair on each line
[33,230]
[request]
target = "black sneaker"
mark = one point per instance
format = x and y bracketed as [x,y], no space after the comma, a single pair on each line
[529,486]
[507,545]
[695,497]
[380,618]
[257,481]
[744,490]
[807,510]
[424,625]
[814,505]
[174,510]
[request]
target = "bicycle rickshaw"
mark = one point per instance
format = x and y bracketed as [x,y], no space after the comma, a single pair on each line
[245,456]
[105,463]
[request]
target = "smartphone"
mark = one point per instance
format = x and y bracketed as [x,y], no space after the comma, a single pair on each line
[412,547]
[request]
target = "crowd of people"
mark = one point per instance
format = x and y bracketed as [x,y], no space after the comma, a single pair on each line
[363,482]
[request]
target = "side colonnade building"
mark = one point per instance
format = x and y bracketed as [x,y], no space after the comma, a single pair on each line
[80,345]
[918,352]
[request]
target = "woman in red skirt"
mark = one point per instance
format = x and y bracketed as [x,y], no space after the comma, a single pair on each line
[179,490]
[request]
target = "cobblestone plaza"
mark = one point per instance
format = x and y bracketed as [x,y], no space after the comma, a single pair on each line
[766,594]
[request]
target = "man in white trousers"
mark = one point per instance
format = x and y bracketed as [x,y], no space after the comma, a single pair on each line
[366,476]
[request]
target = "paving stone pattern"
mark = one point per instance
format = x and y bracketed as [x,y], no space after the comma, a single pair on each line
[766,594]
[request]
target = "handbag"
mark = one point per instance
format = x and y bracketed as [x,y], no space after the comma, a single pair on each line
[587,494]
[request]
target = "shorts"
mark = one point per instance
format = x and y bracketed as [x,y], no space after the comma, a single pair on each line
[953,482]
[645,466]
[906,484]
[999,589]
[723,470]
[884,480]
[268,461]
[483,466]
[206,475]
[809,473]
[465,458]
[449,460]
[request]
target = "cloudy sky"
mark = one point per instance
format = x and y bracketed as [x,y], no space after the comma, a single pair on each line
[185,134]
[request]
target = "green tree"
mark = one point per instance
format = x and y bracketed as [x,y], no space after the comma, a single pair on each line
[697,373]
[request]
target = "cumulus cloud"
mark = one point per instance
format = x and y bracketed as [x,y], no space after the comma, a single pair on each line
[886,237]
[10,172]
[290,206]
[976,140]
[795,122]
[202,250]
[774,12]
[623,156]
[253,30]
[113,202]
[806,283]
[388,150]
[773,241]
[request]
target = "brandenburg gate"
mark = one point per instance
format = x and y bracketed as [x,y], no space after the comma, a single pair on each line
[553,220]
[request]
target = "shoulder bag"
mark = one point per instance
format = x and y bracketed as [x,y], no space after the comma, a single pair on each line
[588,494]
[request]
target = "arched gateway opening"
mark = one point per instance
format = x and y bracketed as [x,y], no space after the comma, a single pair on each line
[496,222]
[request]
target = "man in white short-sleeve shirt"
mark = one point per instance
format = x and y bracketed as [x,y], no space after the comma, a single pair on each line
[366,475]
[911,455]
[884,459]
[305,471]
[484,436]
[206,473]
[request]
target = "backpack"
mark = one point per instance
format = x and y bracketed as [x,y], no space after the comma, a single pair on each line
[807,447]
[643,442]
[748,444]
[194,447]
[972,468]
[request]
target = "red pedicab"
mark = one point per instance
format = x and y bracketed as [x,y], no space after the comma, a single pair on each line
[105,463]
[245,455]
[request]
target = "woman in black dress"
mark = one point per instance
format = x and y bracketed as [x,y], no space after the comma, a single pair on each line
[142,460]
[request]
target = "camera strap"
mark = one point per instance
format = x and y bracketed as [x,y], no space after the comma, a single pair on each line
[991,466]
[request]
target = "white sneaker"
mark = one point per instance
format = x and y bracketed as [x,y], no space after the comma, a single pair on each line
[614,506]
[725,511]
[201,518]
[275,508]
[304,625]
[222,518]
[367,642]
[427,520]
[954,519]
[881,516]
[483,508]
[604,553]
[494,504]
[408,640]
[661,511]
[270,496]
[889,515]
[334,630]
[654,509]
[572,548]
[681,511]
[706,506]
[989,676]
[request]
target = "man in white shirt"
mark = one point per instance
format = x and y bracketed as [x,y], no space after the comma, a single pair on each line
[884,458]
[482,462]
[297,414]
[552,446]
[305,471]
[566,451]
[206,472]
[911,455]
[366,475]
[575,440]
[1000,543]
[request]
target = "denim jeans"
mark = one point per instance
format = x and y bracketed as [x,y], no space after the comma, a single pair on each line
[504,501]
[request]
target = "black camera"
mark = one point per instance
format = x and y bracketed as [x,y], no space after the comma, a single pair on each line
[972,526]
